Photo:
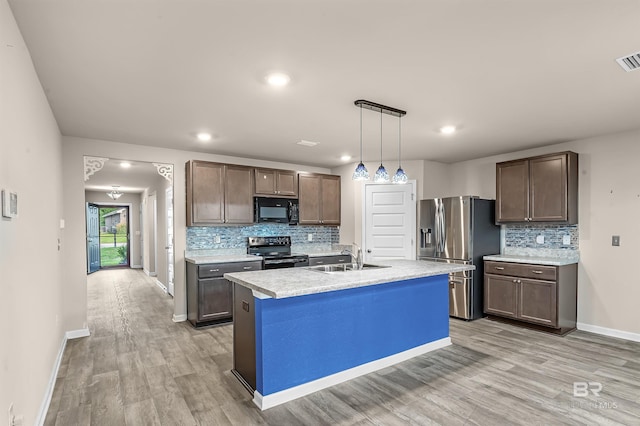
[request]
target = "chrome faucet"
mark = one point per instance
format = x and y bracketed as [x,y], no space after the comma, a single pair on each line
[356,258]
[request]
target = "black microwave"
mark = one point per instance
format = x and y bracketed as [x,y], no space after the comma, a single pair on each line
[276,210]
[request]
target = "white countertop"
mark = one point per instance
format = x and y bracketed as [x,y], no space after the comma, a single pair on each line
[228,258]
[282,283]
[535,260]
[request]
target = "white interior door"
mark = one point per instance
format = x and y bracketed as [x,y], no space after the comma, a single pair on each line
[389,221]
[169,245]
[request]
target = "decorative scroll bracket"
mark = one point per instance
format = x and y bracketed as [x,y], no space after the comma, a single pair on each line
[165,170]
[92,165]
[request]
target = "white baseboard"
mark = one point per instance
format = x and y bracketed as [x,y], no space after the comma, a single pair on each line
[75,334]
[149,273]
[268,401]
[611,332]
[136,266]
[44,407]
[179,318]
[162,286]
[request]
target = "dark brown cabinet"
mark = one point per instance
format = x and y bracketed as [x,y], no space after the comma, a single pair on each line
[238,195]
[276,183]
[218,193]
[329,260]
[538,189]
[209,294]
[536,294]
[319,198]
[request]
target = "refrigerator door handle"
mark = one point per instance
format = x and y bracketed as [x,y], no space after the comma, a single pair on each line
[437,226]
[440,228]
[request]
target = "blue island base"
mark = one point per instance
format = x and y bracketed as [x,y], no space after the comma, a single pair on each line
[311,342]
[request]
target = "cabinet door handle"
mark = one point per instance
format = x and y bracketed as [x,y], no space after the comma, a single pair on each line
[320,262]
[537,272]
[247,267]
[515,281]
[500,268]
[214,270]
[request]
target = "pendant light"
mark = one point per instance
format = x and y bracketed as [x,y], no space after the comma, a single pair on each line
[400,176]
[381,173]
[114,194]
[361,172]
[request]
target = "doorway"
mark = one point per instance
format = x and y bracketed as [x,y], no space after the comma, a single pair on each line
[114,236]
[108,236]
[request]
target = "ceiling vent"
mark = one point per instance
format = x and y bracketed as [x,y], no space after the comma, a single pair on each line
[630,62]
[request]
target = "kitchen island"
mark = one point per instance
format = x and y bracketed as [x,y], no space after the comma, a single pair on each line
[300,330]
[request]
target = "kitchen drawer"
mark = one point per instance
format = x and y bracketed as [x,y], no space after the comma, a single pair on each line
[523,270]
[210,270]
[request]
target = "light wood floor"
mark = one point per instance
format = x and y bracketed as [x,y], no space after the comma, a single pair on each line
[139,368]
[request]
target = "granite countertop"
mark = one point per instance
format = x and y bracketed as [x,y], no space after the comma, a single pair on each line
[227,258]
[282,283]
[536,260]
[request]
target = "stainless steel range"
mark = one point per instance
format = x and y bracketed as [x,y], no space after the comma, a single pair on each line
[276,252]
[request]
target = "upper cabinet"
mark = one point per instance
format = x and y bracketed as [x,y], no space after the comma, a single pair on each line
[319,199]
[218,193]
[538,189]
[276,183]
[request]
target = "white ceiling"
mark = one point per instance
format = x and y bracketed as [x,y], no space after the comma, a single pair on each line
[512,74]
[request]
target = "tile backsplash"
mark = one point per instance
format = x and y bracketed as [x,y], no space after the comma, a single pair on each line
[235,237]
[525,237]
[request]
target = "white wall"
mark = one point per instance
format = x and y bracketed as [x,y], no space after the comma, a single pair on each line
[31,308]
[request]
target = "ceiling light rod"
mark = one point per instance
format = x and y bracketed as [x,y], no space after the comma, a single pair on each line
[380,108]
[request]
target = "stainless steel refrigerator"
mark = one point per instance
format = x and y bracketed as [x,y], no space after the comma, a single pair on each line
[459,230]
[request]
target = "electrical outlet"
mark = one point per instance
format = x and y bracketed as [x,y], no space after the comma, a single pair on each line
[217,239]
[540,239]
[615,240]
[309,237]
[566,240]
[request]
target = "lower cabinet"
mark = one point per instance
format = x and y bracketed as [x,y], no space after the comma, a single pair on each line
[537,294]
[209,294]
[329,260]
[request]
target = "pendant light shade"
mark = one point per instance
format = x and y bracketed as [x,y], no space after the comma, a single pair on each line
[361,172]
[400,176]
[114,194]
[381,173]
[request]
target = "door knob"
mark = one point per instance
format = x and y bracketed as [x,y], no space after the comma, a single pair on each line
[368,250]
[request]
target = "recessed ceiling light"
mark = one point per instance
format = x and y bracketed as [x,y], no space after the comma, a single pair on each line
[345,158]
[277,79]
[125,165]
[204,137]
[447,130]
[307,143]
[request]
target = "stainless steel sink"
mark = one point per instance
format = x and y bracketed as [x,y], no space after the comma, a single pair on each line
[344,267]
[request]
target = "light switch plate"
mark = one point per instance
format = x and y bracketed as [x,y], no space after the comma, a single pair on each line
[615,240]
[217,239]
[566,240]
[309,237]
